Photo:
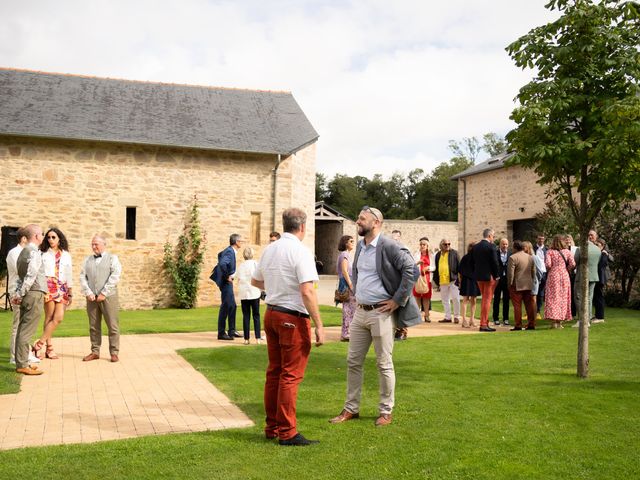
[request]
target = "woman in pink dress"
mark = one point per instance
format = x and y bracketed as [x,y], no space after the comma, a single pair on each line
[424,263]
[558,261]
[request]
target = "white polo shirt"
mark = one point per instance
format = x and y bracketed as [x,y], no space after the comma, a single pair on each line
[284,265]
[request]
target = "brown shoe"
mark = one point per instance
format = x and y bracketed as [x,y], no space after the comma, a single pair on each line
[29,371]
[114,357]
[344,416]
[91,356]
[383,419]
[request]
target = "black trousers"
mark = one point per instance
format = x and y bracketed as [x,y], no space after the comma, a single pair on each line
[540,296]
[250,309]
[502,289]
[598,301]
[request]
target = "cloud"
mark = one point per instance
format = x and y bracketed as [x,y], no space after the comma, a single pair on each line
[386,84]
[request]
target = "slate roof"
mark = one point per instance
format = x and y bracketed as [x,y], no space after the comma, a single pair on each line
[493,163]
[88,108]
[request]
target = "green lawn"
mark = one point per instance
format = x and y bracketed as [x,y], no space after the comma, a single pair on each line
[492,406]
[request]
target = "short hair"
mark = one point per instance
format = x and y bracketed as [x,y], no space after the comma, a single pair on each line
[470,246]
[396,231]
[100,237]
[487,232]
[293,219]
[518,245]
[233,238]
[62,243]
[31,230]
[342,244]
[21,232]
[275,234]
[442,242]
[247,253]
[601,241]
[558,242]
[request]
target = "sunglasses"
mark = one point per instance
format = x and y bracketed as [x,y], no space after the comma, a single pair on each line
[367,208]
[51,237]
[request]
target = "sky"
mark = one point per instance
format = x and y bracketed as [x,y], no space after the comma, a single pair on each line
[386,83]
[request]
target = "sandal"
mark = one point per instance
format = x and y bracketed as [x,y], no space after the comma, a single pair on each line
[37,347]
[50,354]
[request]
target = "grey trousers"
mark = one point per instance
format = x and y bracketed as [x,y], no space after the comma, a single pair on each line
[578,295]
[14,332]
[367,328]
[109,309]
[30,313]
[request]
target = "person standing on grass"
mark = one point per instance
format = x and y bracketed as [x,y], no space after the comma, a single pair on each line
[423,260]
[223,277]
[249,296]
[30,291]
[485,266]
[446,277]
[603,277]
[502,288]
[383,276]
[99,279]
[521,272]
[287,273]
[344,267]
[558,262]
[468,287]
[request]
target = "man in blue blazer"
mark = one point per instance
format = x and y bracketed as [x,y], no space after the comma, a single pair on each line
[383,276]
[223,277]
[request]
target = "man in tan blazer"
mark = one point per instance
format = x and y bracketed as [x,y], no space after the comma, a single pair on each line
[520,274]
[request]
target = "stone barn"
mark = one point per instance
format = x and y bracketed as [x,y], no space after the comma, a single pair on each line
[126,158]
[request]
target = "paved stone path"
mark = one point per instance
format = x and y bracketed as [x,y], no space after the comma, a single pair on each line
[151,391]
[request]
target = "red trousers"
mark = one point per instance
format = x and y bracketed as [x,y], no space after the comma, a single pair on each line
[517,296]
[486,290]
[288,345]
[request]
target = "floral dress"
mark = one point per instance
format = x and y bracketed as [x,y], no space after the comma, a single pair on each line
[557,292]
[348,307]
[56,290]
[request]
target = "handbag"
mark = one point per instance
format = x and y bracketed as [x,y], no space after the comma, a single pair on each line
[422,286]
[341,295]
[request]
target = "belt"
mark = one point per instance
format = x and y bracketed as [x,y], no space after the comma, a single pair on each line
[295,313]
[368,308]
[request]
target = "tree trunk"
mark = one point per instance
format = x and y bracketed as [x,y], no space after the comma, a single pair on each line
[584,308]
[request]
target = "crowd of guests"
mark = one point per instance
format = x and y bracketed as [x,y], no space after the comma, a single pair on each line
[40,277]
[542,279]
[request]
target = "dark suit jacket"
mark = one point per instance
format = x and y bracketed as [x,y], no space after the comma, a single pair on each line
[398,272]
[502,266]
[485,261]
[226,266]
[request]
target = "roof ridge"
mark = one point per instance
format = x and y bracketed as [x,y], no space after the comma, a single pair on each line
[77,75]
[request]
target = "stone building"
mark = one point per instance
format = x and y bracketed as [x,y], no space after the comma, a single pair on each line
[125,159]
[331,225]
[503,198]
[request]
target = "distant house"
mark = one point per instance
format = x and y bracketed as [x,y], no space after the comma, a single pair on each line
[125,159]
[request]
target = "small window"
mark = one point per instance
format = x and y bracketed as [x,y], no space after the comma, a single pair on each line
[131,223]
[255,228]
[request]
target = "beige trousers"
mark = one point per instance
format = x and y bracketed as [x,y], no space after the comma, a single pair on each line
[109,309]
[30,313]
[367,328]
[14,332]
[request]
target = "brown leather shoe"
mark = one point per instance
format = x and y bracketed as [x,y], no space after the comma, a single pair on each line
[29,371]
[344,416]
[114,357]
[383,419]
[91,356]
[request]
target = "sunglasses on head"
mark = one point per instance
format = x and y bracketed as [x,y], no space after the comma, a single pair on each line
[367,208]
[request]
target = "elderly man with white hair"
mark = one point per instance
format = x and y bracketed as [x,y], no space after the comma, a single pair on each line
[98,279]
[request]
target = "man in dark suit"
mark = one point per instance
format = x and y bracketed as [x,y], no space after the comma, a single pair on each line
[502,288]
[223,276]
[484,258]
[540,250]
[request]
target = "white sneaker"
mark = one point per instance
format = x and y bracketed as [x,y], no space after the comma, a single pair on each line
[577,324]
[12,361]
[246,342]
[597,320]
[33,358]
[259,341]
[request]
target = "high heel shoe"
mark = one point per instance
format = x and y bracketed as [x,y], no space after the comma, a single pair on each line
[50,354]
[37,347]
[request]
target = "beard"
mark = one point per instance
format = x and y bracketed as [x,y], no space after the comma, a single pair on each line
[363,230]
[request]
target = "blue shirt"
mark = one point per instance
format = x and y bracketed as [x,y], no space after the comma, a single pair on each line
[369,289]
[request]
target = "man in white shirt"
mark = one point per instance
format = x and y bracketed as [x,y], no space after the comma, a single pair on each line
[287,273]
[12,283]
[540,250]
[29,294]
[98,281]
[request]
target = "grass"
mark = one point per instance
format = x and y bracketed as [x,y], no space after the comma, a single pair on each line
[499,406]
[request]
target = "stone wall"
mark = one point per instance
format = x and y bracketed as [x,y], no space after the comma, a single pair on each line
[85,187]
[496,199]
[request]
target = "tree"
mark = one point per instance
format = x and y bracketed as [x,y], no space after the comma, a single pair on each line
[468,148]
[578,122]
[494,144]
[184,265]
[321,186]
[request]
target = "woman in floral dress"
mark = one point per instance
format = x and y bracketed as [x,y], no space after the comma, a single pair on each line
[558,261]
[343,268]
[58,270]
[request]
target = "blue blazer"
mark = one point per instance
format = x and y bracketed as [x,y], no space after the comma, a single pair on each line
[226,266]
